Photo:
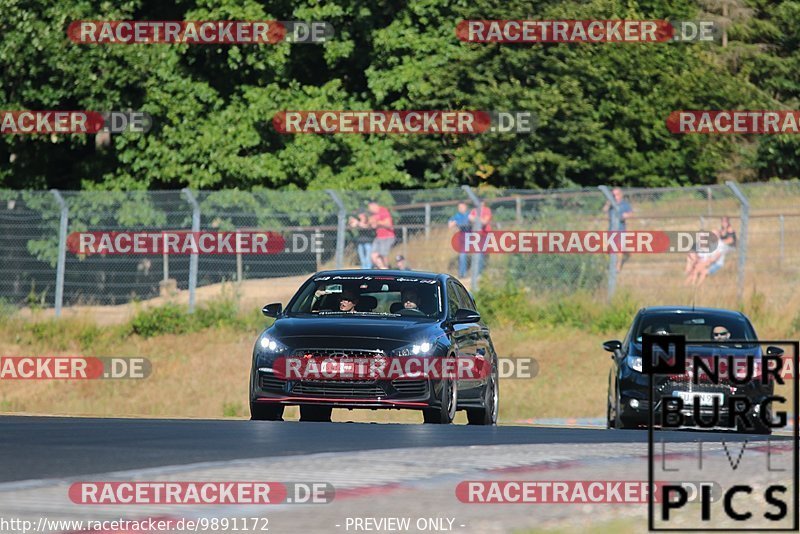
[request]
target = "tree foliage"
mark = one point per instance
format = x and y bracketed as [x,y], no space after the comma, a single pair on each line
[600,108]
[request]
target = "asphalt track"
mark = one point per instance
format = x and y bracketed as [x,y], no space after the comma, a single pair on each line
[60,447]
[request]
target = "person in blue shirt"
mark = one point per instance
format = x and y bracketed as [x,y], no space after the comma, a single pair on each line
[460,221]
[624,211]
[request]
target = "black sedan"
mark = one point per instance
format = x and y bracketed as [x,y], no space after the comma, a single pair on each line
[732,336]
[376,339]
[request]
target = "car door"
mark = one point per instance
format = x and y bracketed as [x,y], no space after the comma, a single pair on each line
[470,346]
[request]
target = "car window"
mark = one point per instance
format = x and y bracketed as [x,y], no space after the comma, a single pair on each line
[695,326]
[453,302]
[464,297]
[388,296]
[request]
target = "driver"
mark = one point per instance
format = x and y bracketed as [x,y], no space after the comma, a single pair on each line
[348,301]
[720,333]
[410,299]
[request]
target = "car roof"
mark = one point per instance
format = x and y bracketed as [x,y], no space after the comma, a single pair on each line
[383,272]
[718,312]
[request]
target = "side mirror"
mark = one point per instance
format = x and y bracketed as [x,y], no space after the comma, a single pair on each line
[774,351]
[612,345]
[272,310]
[464,315]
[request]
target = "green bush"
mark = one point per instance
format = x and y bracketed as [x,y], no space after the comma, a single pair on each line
[173,318]
[217,313]
[170,318]
[559,272]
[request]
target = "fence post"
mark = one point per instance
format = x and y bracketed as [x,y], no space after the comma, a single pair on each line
[518,202]
[477,258]
[612,260]
[193,258]
[427,220]
[340,228]
[780,259]
[318,239]
[62,250]
[742,245]
[404,234]
[166,267]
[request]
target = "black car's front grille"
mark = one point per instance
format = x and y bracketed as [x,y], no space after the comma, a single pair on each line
[339,389]
[337,353]
[411,388]
[268,382]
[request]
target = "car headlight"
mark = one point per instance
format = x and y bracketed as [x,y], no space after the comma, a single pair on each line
[270,344]
[635,363]
[422,348]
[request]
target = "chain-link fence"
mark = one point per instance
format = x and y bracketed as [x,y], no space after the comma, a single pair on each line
[321,230]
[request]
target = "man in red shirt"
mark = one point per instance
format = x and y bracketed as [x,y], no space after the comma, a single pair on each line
[486,217]
[381,220]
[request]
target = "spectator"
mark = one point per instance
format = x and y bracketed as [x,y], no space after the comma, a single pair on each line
[486,226]
[727,235]
[360,223]
[710,262]
[460,221]
[381,220]
[401,264]
[625,211]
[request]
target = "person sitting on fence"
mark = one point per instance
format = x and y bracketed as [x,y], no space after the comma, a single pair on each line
[727,234]
[708,262]
[401,263]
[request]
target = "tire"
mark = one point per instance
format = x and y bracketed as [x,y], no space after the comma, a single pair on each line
[491,402]
[266,412]
[609,421]
[620,423]
[315,414]
[445,414]
[757,426]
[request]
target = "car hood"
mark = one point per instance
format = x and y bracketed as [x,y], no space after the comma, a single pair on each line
[738,351]
[351,332]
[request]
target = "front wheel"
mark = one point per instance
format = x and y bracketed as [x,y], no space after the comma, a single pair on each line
[266,412]
[446,412]
[491,403]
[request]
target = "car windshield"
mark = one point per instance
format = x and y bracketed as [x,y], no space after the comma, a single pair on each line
[696,326]
[369,295]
